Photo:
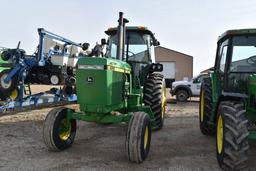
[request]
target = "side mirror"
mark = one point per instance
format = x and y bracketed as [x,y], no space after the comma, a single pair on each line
[103,42]
[85,46]
[156,43]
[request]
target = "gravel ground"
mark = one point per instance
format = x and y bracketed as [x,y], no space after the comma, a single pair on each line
[178,146]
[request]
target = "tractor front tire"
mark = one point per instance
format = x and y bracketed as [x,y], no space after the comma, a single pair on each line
[232,136]
[155,97]
[206,108]
[7,88]
[138,137]
[58,132]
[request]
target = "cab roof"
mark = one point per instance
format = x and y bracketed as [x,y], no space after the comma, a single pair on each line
[139,29]
[251,31]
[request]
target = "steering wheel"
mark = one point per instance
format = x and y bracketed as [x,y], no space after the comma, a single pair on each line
[251,59]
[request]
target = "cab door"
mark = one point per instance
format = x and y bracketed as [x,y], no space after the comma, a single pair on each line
[218,76]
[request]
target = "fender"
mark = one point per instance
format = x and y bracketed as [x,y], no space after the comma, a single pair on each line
[228,96]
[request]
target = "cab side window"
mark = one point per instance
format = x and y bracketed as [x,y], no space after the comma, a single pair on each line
[222,55]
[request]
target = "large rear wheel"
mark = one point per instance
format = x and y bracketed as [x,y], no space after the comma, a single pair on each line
[231,136]
[155,97]
[206,108]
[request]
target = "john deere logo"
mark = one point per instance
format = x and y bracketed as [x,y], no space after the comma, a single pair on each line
[89,80]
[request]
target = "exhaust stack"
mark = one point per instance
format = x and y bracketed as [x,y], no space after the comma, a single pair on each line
[121,36]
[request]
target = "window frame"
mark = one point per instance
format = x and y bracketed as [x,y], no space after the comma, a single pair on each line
[221,45]
[231,56]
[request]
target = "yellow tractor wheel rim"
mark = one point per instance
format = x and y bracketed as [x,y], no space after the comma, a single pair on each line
[14,94]
[163,101]
[64,129]
[220,134]
[146,137]
[202,107]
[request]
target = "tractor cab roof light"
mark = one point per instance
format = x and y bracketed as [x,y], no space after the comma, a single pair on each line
[141,27]
[112,29]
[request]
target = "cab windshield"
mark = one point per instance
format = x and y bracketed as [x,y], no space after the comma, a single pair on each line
[243,54]
[242,63]
[137,47]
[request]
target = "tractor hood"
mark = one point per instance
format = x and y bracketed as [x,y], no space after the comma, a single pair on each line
[100,84]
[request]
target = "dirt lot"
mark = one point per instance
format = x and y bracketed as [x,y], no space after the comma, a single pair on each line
[178,146]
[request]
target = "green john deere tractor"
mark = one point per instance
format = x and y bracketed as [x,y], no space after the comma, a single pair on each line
[1,61]
[121,86]
[228,98]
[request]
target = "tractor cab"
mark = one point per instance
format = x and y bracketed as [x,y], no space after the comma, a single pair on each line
[1,61]
[139,44]
[236,60]
[228,98]
[138,49]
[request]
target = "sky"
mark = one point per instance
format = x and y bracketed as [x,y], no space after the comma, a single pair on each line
[188,26]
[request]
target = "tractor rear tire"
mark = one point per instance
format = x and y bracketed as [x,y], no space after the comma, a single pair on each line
[138,137]
[232,136]
[155,97]
[206,108]
[7,88]
[58,132]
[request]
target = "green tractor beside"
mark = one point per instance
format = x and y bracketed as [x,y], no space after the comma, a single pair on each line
[121,86]
[228,98]
[1,61]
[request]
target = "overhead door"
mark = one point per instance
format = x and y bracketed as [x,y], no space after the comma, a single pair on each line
[169,70]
